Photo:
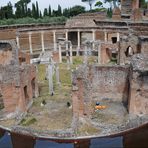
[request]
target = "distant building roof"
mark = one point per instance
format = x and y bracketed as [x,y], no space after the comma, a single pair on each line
[85,19]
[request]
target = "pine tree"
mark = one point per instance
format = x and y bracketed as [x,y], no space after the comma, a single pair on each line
[45,12]
[40,14]
[37,10]
[29,12]
[59,10]
[33,10]
[49,10]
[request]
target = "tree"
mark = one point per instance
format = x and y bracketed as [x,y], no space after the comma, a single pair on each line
[33,11]
[99,4]
[66,12]
[40,14]
[37,10]
[90,2]
[59,10]
[29,12]
[76,10]
[6,12]
[45,12]
[49,10]
[143,4]
[21,8]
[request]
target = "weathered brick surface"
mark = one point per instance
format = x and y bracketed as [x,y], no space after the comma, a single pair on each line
[138,103]
[106,51]
[100,35]
[15,75]
[116,14]
[95,83]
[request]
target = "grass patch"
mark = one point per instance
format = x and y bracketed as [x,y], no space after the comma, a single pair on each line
[41,72]
[77,60]
[28,121]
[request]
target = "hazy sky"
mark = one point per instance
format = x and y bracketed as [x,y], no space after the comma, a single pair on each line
[53,3]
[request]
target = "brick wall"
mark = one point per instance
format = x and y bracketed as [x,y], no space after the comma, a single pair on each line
[94,83]
[14,78]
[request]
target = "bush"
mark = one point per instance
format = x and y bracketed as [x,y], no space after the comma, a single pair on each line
[29,20]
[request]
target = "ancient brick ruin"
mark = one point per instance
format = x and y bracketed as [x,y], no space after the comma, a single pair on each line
[118,75]
[125,82]
[18,81]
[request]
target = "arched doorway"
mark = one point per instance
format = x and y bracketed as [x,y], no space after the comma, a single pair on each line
[129,51]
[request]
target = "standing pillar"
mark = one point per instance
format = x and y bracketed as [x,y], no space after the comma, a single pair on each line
[78,47]
[57,75]
[105,36]
[54,41]
[30,43]
[99,53]
[85,54]
[42,41]
[50,74]
[70,53]
[66,37]
[17,40]
[118,37]
[94,38]
[60,54]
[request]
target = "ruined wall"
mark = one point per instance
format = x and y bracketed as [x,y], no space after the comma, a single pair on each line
[144,45]
[100,35]
[126,42]
[116,14]
[136,15]
[138,101]
[94,83]
[126,7]
[18,80]
[7,34]
[110,82]
[106,49]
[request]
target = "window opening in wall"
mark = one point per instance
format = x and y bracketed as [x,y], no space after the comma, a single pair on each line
[114,40]
[26,94]
[114,57]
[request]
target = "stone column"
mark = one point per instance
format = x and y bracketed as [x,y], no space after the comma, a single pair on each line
[50,74]
[94,38]
[118,37]
[60,54]
[17,40]
[105,36]
[78,47]
[54,41]
[99,53]
[68,60]
[66,37]
[30,43]
[85,54]
[70,53]
[42,41]
[57,75]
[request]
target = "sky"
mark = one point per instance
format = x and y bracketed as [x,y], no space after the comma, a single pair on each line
[54,3]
